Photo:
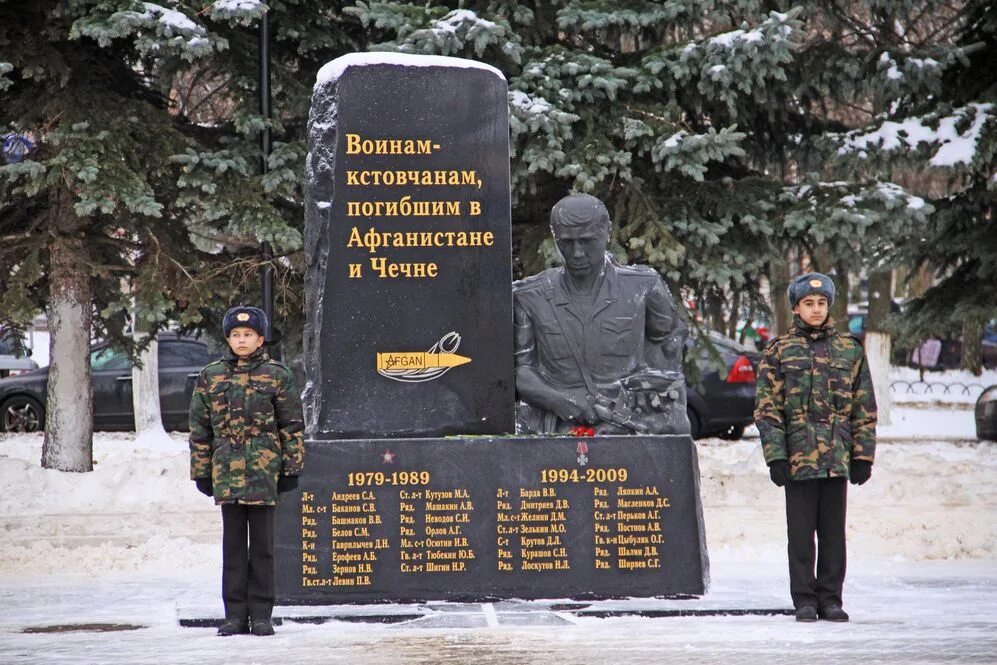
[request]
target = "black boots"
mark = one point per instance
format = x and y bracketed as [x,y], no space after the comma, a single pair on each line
[827,613]
[262,627]
[806,613]
[833,613]
[234,627]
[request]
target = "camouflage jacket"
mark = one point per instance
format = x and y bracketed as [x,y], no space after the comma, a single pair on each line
[814,402]
[246,428]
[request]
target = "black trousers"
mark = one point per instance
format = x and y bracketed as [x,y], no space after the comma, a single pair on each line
[816,507]
[248,560]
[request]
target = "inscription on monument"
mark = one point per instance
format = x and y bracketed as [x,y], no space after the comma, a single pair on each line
[541,527]
[408,231]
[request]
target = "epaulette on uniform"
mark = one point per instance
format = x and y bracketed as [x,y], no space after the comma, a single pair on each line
[641,271]
[220,361]
[780,341]
[853,338]
[279,364]
[531,283]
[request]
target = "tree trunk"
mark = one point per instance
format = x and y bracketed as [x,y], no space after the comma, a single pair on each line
[778,283]
[839,310]
[972,345]
[735,314]
[878,345]
[145,394]
[68,444]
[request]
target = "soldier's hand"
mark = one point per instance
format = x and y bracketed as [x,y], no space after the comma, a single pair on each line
[646,401]
[575,408]
[204,486]
[779,472]
[286,483]
[859,472]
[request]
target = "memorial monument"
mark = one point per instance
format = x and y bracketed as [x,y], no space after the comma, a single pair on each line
[416,485]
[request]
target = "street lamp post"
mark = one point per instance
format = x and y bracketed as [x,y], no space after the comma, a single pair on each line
[266,251]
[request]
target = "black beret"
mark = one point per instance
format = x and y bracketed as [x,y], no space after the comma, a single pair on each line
[810,284]
[245,317]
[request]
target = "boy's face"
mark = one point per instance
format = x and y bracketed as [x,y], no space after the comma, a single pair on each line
[812,309]
[244,341]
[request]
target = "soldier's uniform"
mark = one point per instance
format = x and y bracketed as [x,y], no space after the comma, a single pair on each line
[816,409]
[246,437]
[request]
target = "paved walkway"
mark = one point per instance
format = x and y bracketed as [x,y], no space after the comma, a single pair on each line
[932,612]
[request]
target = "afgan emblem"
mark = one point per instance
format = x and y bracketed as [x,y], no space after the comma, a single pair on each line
[419,366]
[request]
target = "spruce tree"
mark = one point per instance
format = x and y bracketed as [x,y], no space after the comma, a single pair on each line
[143,186]
[945,131]
[711,129]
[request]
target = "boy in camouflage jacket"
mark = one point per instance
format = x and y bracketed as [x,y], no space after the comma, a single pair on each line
[816,413]
[246,447]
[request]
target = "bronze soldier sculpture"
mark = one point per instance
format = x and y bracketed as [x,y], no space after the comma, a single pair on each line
[598,344]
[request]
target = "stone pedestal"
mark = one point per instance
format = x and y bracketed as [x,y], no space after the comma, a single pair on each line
[482,518]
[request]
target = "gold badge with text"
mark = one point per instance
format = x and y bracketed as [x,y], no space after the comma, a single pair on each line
[419,366]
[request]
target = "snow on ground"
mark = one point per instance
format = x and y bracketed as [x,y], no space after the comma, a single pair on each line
[932,497]
[928,613]
[135,543]
[137,510]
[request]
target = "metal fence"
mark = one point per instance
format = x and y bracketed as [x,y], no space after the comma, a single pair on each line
[935,388]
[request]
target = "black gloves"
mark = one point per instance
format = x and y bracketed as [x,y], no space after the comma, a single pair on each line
[859,472]
[779,472]
[286,483]
[204,486]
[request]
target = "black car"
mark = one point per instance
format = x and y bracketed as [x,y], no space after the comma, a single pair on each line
[986,415]
[723,402]
[22,397]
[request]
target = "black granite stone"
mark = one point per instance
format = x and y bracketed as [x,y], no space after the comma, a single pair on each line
[605,517]
[447,120]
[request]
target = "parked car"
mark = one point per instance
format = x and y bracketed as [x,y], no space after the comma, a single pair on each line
[23,397]
[12,360]
[725,404]
[986,415]
[858,320]
[989,345]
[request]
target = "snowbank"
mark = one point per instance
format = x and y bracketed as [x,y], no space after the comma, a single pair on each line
[930,500]
[138,510]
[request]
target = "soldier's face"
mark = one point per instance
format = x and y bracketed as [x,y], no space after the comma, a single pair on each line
[583,248]
[812,309]
[244,341]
